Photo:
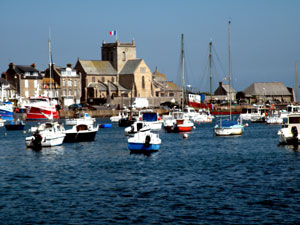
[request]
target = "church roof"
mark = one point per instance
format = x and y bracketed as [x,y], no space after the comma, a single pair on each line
[97,67]
[159,76]
[173,86]
[267,88]
[130,66]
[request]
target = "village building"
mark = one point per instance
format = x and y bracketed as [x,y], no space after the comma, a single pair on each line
[267,92]
[26,78]
[223,93]
[7,90]
[64,83]
[164,90]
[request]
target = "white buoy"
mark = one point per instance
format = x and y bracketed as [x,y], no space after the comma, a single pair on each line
[185,135]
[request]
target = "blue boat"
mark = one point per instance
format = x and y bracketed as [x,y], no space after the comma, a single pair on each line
[144,142]
[6,111]
[105,125]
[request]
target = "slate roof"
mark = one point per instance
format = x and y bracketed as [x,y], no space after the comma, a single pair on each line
[226,88]
[173,86]
[267,88]
[130,66]
[97,67]
[23,69]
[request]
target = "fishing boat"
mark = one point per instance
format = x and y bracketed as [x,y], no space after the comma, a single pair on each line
[229,126]
[289,133]
[48,134]
[203,116]
[180,121]
[138,126]
[81,132]
[144,142]
[151,119]
[6,110]
[15,125]
[41,108]
[79,118]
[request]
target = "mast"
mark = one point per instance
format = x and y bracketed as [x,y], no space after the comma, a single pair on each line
[296,81]
[210,70]
[50,65]
[229,70]
[182,71]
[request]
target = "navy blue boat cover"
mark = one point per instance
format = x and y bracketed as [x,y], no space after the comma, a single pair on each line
[149,117]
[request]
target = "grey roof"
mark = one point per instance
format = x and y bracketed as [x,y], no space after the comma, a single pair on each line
[97,67]
[100,86]
[130,66]
[226,87]
[267,88]
[23,69]
[4,82]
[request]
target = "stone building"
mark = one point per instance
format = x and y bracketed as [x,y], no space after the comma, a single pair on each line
[64,83]
[223,93]
[26,78]
[118,74]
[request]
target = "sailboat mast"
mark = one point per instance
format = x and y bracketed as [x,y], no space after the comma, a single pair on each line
[182,71]
[210,70]
[50,64]
[296,81]
[229,70]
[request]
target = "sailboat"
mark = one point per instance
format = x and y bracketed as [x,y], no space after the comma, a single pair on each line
[179,121]
[229,126]
[48,134]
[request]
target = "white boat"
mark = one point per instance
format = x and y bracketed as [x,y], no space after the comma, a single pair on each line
[138,126]
[178,123]
[47,134]
[288,134]
[229,127]
[81,133]
[144,142]
[122,114]
[80,118]
[151,119]
[274,117]
[190,113]
[203,116]
[254,113]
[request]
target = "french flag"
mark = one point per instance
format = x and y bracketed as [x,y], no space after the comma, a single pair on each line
[113,33]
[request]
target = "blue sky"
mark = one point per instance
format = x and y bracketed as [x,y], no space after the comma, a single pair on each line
[265,35]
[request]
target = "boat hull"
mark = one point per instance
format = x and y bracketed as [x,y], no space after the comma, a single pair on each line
[35,113]
[14,126]
[80,136]
[142,147]
[48,141]
[227,131]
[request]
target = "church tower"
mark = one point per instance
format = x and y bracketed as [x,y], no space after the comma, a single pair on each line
[118,53]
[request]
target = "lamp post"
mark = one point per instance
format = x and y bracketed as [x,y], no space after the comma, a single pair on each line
[264,99]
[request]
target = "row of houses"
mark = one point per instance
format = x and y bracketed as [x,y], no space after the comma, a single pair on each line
[116,79]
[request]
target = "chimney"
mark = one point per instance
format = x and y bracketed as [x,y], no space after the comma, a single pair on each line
[33,65]
[69,65]
[3,75]
[220,84]
[11,65]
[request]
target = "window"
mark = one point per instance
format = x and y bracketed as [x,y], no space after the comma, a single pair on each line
[75,93]
[64,82]
[93,79]
[157,94]
[113,79]
[124,56]
[143,82]
[70,93]
[26,83]
[70,83]
[35,83]
[26,94]
[171,94]
[75,83]
[103,79]
[64,92]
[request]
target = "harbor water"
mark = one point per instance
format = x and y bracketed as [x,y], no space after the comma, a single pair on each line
[202,179]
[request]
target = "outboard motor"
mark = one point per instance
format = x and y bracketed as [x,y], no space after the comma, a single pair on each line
[294,131]
[147,141]
[37,140]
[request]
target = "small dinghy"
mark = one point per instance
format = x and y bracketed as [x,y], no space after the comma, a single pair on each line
[144,142]
[105,125]
[18,125]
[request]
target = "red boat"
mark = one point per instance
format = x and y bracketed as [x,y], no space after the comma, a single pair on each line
[41,108]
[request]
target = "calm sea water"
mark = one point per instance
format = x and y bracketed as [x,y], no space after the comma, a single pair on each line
[200,180]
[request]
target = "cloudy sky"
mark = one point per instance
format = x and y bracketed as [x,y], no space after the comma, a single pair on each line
[265,35]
